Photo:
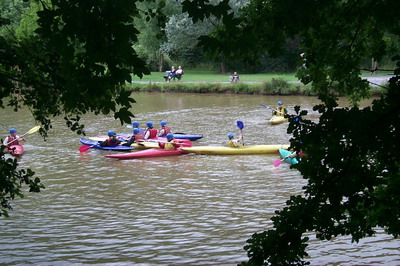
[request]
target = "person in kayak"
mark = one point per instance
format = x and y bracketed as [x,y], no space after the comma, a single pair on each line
[134,138]
[280,110]
[12,139]
[111,141]
[150,132]
[170,144]
[235,143]
[164,130]
[135,124]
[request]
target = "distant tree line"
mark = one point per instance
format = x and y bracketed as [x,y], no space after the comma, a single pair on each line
[169,36]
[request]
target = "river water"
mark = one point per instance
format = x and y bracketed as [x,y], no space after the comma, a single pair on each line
[185,210]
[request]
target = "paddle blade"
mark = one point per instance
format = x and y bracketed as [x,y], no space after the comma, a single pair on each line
[266,106]
[84,148]
[277,162]
[33,130]
[240,124]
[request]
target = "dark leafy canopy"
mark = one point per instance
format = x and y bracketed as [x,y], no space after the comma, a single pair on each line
[352,162]
[77,61]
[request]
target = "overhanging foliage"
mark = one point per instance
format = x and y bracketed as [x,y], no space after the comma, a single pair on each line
[351,164]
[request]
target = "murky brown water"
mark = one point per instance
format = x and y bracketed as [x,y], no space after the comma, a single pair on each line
[190,209]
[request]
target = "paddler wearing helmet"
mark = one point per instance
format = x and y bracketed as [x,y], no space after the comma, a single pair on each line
[150,132]
[12,139]
[164,130]
[235,143]
[171,143]
[134,138]
[111,141]
[280,110]
[135,124]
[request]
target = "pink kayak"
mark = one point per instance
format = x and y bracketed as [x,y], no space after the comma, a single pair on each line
[147,154]
[16,150]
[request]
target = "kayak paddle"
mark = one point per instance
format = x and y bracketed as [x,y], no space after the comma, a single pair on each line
[240,125]
[31,131]
[84,148]
[278,162]
[269,107]
[266,106]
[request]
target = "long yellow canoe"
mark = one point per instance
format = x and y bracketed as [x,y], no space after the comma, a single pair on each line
[221,150]
[275,120]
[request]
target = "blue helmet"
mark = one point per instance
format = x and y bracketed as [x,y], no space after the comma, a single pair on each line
[231,135]
[170,136]
[136,130]
[149,124]
[13,130]
[135,124]
[163,123]
[111,133]
[280,102]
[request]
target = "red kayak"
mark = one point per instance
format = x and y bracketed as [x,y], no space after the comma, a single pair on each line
[16,150]
[147,154]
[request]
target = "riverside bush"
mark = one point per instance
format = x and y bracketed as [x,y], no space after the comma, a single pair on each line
[273,87]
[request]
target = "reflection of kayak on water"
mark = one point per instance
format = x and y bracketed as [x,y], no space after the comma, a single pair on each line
[275,120]
[150,153]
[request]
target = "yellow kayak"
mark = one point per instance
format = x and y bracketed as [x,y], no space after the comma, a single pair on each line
[221,150]
[145,145]
[275,120]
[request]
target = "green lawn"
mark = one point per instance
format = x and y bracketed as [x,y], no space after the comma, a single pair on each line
[211,76]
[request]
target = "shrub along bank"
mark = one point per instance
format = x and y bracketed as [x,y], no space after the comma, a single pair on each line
[273,87]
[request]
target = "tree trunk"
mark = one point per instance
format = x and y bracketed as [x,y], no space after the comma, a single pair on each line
[161,63]
[374,66]
[222,68]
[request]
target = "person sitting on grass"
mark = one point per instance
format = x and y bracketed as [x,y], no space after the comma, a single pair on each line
[179,73]
[235,77]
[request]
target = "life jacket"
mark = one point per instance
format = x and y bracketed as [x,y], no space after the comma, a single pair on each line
[142,131]
[138,137]
[11,140]
[170,145]
[166,129]
[280,111]
[111,142]
[231,144]
[134,138]
[152,133]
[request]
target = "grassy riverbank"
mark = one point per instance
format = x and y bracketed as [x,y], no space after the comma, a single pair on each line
[212,76]
[210,82]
